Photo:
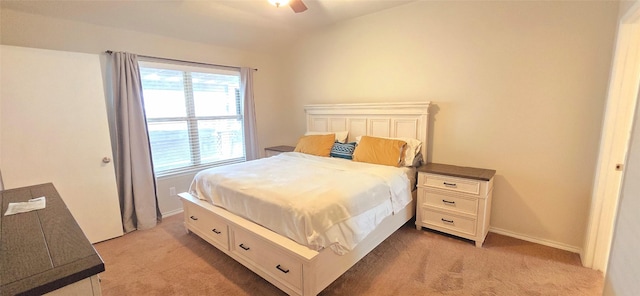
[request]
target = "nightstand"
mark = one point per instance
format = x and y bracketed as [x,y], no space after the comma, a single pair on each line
[455,200]
[275,150]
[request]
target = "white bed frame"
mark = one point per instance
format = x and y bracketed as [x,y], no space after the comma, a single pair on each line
[294,268]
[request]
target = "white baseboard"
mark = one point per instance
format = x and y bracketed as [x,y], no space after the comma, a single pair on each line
[536,240]
[171,213]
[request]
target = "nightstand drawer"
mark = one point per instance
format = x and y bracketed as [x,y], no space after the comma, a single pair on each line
[450,183]
[448,221]
[450,202]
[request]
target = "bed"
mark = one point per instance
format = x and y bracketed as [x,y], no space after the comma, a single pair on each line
[304,261]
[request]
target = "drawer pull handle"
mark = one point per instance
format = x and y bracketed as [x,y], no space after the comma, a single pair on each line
[244,248]
[194,218]
[446,221]
[448,202]
[449,184]
[281,269]
[216,231]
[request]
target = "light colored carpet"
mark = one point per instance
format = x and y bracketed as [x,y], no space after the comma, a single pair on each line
[166,260]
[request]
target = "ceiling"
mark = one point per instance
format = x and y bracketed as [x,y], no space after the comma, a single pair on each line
[246,24]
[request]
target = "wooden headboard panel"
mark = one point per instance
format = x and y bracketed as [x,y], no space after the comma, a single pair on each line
[409,120]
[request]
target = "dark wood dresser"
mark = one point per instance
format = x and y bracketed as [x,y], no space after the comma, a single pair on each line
[45,250]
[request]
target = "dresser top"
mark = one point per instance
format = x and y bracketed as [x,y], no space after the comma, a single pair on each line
[457,171]
[42,250]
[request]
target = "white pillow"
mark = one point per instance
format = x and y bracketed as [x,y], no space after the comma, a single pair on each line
[413,148]
[340,136]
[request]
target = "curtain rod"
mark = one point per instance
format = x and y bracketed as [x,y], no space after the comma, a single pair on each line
[183,61]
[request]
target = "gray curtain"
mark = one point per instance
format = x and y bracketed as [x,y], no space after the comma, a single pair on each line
[134,168]
[250,133]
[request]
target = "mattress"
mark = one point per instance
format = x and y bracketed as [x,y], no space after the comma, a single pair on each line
[316,201]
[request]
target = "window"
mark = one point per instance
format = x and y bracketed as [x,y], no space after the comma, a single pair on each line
[194,116]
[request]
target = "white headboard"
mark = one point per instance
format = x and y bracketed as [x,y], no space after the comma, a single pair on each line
[409,120]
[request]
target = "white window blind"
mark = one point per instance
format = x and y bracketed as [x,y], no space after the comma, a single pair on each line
[194,116]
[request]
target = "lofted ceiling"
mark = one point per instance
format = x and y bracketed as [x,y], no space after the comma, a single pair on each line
[246,24]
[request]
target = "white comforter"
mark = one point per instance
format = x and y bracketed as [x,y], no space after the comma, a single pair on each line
[316,201]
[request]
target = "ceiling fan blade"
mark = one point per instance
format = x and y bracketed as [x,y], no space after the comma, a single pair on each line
[297,6]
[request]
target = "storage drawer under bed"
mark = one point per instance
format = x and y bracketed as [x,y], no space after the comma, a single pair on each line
[212,227]
[269,258]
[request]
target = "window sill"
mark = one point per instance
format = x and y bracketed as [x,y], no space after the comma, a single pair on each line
[193,170]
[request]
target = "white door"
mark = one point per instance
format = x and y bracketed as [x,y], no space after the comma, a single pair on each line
[621,104]
[53,128]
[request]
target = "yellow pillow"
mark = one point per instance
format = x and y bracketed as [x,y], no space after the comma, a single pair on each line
[319,145]
[380,151]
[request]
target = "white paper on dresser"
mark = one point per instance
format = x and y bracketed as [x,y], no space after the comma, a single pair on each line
[27,206]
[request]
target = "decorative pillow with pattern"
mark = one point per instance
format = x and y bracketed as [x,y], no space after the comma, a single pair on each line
[343,150]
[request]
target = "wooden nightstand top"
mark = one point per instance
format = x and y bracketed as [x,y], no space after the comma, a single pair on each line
[282,148]
[457,171]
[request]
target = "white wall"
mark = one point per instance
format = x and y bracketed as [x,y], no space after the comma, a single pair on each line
[30,30]
[518,87]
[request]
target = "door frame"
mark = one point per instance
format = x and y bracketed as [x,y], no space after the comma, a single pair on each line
[614,142]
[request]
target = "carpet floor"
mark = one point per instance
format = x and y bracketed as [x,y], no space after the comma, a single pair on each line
[166,260]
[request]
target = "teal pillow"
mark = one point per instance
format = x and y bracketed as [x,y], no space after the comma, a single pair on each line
[343,150]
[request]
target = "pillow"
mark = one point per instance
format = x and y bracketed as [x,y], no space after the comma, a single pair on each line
[380,151]
[340,136]
[417,161]
[343,150]
[319,145]
[414,147]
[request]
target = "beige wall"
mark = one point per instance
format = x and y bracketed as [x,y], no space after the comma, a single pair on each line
[1,182]
[30,30]
[518,87]
[625,6]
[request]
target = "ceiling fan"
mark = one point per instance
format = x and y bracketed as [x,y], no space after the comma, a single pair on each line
[297,5]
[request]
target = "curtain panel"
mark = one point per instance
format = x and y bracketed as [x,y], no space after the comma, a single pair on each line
[134,168]
[250,132]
